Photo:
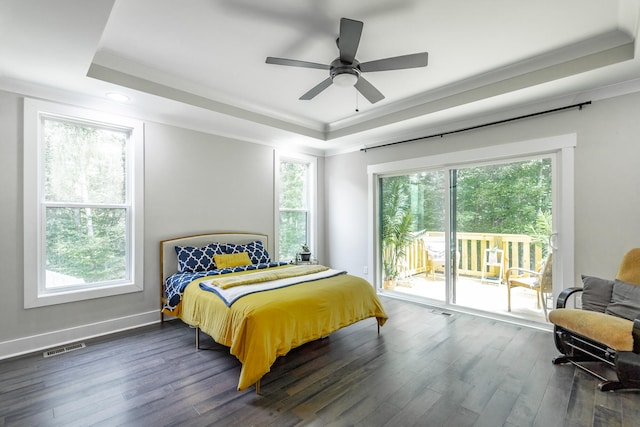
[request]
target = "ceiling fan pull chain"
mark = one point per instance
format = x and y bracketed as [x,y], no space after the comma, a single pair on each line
[357,109]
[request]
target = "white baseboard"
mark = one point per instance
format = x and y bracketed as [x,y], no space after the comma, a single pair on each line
[39,342]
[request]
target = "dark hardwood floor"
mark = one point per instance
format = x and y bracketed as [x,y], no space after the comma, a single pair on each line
[425,369]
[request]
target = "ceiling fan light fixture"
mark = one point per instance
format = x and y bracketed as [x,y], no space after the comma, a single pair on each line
[345,79]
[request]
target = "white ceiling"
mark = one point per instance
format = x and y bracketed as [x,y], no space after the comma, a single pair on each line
[201,63]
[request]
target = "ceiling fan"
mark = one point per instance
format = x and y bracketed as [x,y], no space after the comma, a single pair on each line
[346,70]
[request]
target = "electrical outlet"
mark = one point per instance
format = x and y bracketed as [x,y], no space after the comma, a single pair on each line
[365,270]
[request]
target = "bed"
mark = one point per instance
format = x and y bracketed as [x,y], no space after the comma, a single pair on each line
[226,285]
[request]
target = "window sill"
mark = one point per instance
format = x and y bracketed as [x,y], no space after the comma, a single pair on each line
[63,297]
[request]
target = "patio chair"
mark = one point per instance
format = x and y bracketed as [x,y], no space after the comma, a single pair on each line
[436,256]
[493,258]
[539,281]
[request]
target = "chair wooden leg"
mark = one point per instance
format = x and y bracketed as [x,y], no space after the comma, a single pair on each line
[508,297]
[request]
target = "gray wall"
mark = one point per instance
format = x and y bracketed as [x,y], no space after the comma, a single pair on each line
[607,182]
[194,183]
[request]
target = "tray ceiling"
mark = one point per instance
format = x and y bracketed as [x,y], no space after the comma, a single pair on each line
[202,64]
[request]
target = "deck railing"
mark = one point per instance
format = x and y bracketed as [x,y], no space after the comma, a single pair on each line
[519,251]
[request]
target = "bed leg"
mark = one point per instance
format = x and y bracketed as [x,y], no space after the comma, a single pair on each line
[197,338]
[378,328]
[258,387]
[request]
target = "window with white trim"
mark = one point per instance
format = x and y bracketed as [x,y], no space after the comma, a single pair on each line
[560,147]
[82,204]
[296,193]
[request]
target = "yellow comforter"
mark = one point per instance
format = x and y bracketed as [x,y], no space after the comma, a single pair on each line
[262,326]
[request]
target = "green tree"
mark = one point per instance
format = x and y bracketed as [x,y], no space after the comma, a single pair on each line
[293,208]
[85,181]
[503,198]
[427,205]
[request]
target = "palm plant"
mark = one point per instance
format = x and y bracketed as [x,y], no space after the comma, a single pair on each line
[540,231]
[397,224]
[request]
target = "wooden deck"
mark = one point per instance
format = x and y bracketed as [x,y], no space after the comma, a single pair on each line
[477,295]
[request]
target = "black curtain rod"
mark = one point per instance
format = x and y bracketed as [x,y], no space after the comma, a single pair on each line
[498,122]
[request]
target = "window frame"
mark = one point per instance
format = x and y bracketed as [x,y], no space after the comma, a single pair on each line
[35,294]
[560,148]
[312,188]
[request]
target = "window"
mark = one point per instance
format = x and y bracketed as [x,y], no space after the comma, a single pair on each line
[82,203]
[439,215]
[296,203]
[499,216]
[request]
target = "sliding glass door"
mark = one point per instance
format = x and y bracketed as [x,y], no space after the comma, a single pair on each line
[452,234]
[412,228]
[503,217]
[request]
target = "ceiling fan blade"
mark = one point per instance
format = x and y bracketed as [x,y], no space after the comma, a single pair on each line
[350,32]
[367,90]
[413,60]
[317,89]
[295,63]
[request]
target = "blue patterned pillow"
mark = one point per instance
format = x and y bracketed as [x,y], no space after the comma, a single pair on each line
[191,260]
[257,252]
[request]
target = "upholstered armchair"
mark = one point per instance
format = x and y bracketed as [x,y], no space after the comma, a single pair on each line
[607,327]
